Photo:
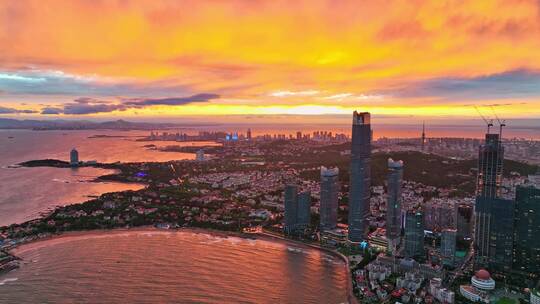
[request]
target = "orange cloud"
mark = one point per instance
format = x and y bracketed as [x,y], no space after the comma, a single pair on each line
[246,50]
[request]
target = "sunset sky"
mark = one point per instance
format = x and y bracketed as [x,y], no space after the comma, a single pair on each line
[91,59]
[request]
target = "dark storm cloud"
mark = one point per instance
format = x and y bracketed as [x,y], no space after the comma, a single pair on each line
[51,111]
[38,82]
[511,84]
[88,105]
[5,110]
[82,108]
[89,100]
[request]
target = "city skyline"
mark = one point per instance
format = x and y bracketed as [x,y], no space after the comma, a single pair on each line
[203,151]
[154,59]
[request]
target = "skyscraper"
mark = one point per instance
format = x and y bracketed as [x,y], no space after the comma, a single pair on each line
[360,180]
[526,228]
[393,204]
[501,236]
[490,167]
[448,246]
[291,208]
[74,158]
[493,216]
[248,134]
[329,197]
[414,234]
[304,209]
[464,221]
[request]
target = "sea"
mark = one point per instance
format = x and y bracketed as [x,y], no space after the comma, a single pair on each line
[161,266]
[26,193]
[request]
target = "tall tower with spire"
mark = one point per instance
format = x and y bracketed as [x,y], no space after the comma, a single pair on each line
[423,134]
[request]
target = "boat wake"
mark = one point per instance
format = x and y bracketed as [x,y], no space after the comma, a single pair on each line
[296,250]
[3,282]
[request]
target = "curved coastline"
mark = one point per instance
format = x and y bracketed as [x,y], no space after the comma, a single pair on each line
[350,294]
[19,248]
[22,247]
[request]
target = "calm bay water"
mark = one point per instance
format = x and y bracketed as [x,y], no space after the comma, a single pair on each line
[26,192]
[172,267]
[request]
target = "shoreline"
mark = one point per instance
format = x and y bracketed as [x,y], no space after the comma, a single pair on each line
[31,244]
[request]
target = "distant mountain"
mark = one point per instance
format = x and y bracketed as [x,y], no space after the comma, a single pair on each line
[6,123]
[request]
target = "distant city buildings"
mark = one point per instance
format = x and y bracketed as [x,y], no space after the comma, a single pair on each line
[329,198]
[200,155]
[360,178]
[414,234]
[393,204]
[74,158]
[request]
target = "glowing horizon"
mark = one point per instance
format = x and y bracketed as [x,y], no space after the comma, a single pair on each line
[193,58]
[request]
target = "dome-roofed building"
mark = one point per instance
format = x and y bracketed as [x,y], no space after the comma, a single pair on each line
[481,284]
[482,280]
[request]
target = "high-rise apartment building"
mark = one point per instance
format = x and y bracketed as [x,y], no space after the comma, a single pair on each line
[329,197]
[291,208]
[303,214]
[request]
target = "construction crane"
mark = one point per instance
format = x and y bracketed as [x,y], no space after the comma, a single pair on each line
[501,123]
[489,123]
